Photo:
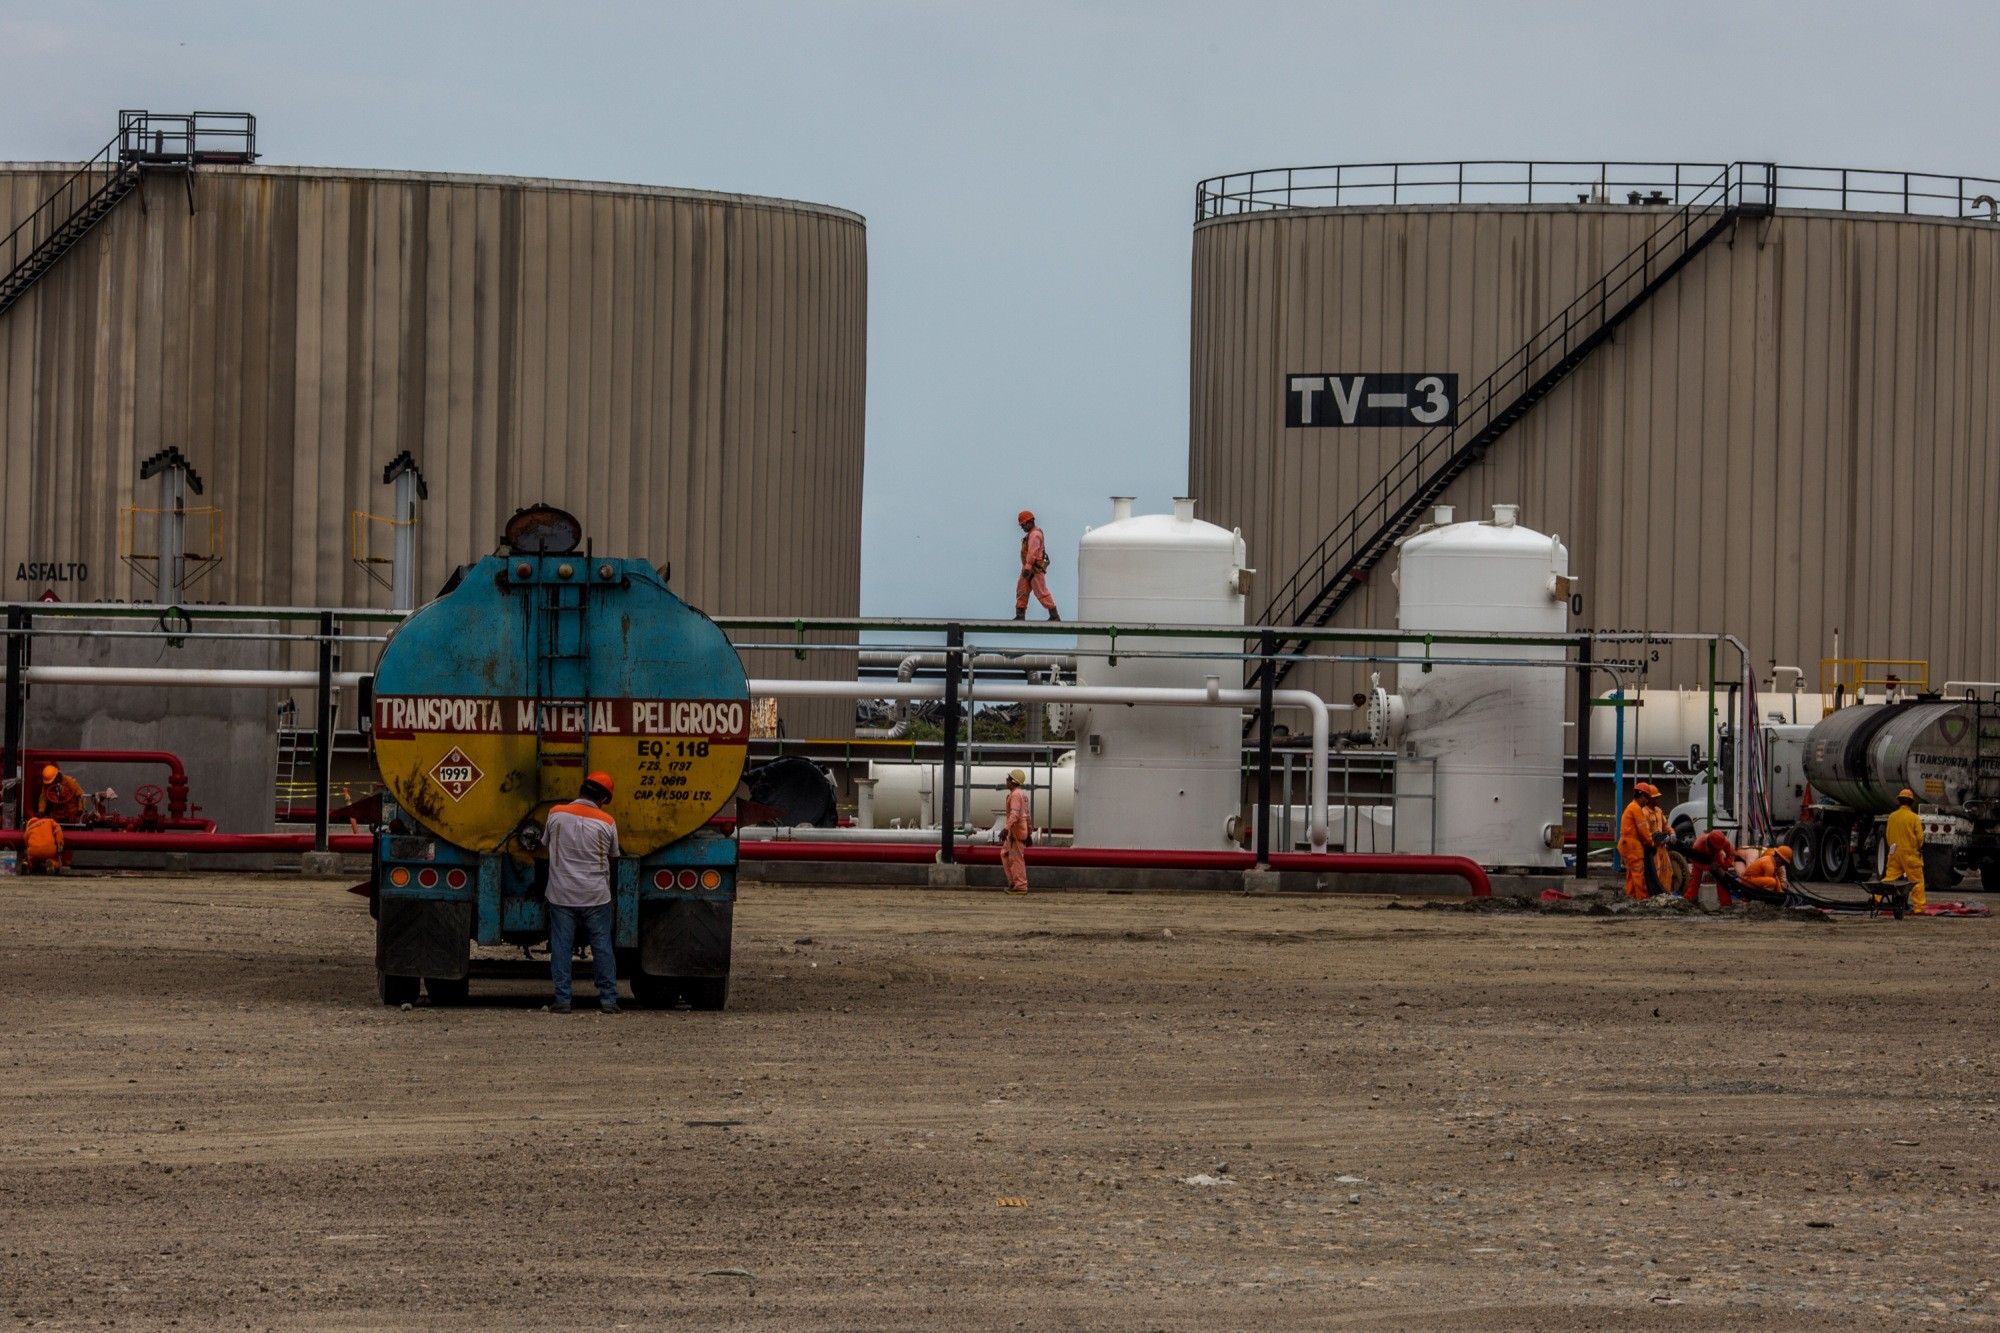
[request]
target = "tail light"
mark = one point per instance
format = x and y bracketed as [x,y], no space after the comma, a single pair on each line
[711,879]
[400,877]
[686,879]
[663,879]
[454,879]
[427,878]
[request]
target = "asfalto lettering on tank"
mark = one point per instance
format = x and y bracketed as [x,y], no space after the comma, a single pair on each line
[1383,399]
[51,571]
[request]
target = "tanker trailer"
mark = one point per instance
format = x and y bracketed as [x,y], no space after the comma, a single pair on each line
[535,666]
[1855,761]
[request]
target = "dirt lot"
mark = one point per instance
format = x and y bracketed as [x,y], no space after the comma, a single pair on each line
[1415,1117]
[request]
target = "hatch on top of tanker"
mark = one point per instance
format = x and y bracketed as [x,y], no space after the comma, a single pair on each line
[535,666]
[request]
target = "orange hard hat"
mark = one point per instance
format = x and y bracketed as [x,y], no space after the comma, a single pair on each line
[1906,795]
[600,780]
[1785,853]
[50,773]
[1648,789]
[1025,516]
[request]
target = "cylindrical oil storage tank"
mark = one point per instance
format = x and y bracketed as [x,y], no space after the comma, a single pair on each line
[1862,756]
[907,795]
[1789,435]
[1165,777]
[683,370]
[1479,764]
[1670,723]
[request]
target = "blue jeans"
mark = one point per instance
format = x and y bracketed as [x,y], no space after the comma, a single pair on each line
[562,948]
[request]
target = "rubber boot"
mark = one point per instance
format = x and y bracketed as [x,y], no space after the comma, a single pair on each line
[1054,614]
[1021,614]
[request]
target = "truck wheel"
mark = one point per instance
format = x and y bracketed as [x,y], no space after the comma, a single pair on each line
[1939,873]
[1873,857]
[398,991]
[1804,842]
[709,993]
[1836,858]
[445,990]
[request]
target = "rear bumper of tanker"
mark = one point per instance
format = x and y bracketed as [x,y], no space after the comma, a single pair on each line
[672,921]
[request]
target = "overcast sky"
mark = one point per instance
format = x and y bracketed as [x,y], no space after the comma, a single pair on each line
[1027,170]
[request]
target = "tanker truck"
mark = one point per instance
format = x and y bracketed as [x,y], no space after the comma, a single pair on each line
[534,666]
[1832,784]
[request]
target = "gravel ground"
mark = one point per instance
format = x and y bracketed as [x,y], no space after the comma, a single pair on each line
[1066,1110]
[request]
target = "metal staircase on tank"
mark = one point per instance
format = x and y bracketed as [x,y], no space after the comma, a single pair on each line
[145,142]
[1385,514]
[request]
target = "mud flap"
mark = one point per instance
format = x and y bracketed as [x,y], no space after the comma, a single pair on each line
[423,938]
[681,937]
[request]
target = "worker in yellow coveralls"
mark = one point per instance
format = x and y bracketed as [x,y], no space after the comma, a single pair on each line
[1905,836]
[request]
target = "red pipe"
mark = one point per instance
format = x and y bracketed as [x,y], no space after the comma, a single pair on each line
[177,781]
[99,840]
[1136,858]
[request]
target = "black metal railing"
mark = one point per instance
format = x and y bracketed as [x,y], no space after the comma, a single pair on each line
[145,141]
[1388,508]
[105,172]
[1625,184]
[152,138]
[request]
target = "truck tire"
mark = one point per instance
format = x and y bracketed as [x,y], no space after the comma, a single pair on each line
[1803,839]
[1939,873]
[1836,857]
[1872,855]
[705,993]
[397,991]
[651,991]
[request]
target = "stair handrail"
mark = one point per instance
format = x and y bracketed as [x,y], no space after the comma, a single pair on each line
[1725,192]
[26,237]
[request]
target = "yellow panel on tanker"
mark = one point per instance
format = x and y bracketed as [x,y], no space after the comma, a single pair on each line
[494,701]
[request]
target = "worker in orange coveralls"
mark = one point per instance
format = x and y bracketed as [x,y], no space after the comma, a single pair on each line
[1640,843]
[43,852]
[1034,564]
[1014,833]
[61,796]
[1712,854]
[1770,872]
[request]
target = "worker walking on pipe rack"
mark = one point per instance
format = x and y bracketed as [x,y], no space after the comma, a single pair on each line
[582,840]
[1713,855]
[1034,564]
[1640,843]
[1904,836]
[61,797]
[1015,831]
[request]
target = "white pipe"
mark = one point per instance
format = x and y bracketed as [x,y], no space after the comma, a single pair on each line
[1962,689]
[1214,696]
[926,836]
[222,678]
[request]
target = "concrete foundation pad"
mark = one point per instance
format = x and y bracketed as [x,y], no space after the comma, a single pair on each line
[942,876]
[321,865]
[1263,881]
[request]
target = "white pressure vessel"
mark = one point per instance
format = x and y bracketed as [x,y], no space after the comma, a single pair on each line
[1479,768]
[1158,777]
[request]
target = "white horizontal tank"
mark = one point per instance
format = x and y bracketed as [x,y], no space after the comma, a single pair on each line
[1479,748]
[1158,777]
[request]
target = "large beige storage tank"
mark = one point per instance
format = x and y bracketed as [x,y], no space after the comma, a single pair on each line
[1793,435]
[682,370]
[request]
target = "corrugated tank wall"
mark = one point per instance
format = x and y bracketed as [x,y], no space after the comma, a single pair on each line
[1795,436]
[685,371]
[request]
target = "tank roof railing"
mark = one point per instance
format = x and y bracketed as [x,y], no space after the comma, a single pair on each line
[1630,184]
